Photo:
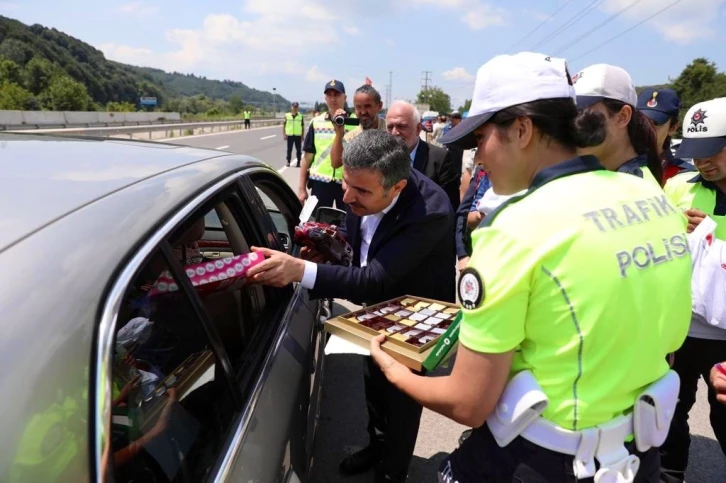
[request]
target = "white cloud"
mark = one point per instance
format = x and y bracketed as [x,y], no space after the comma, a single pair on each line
[314,75]
[683,23]
[351,30]
[138,8]
[458,74]
[482,16]
[126,54]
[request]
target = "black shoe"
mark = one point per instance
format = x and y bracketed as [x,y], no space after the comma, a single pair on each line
[288,164]
[383,477]
[298,164]
[362,461]
[464,435]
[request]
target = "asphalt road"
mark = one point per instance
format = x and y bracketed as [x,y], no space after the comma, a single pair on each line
[342,422]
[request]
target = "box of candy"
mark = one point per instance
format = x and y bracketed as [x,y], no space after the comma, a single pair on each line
[412,325]
[211,276]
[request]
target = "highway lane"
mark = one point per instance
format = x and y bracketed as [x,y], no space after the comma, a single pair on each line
[342,424]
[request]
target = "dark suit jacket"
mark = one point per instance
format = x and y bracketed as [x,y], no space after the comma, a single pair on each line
[412,251]
[440,166]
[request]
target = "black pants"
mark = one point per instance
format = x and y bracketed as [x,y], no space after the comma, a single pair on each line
[297,142]
[247,123]
[694,359]
[393,420]
[327,193]
[481,460]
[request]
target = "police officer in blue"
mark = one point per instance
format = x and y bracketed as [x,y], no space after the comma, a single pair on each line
[662,107]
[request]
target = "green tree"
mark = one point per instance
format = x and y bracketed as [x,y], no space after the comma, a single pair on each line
[16,50]
[235,105]
[10,71]
[465,107]
[38,74]
[65,94]
[14,98]
[120,107]
[436,98]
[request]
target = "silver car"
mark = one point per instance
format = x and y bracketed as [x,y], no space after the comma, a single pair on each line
[107,377]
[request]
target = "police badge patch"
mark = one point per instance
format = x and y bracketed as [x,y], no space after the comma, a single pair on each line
[471,289]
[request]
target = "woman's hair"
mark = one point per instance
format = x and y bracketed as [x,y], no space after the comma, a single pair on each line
[557,119]
[640,131]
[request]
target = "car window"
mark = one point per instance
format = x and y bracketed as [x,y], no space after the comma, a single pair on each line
[173,399]
[171,409]
[283,209]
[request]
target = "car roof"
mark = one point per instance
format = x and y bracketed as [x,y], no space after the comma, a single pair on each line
[47,177]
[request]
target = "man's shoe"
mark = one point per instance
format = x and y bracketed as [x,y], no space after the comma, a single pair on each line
[382,477]
[362,461]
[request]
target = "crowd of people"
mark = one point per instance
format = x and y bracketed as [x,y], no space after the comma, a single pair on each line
[587,252]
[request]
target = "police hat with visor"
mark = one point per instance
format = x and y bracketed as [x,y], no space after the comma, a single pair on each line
[704,130]
[506,81]
[660,105]
[335,85]
[603,81]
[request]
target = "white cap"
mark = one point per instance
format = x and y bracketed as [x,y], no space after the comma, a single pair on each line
[704,130]
[604,81]
[510,80]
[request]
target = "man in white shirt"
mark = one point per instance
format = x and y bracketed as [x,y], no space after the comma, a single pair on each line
[400,226]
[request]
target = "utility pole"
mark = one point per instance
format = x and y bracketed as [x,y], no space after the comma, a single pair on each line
[389,94]
[274,102]
[425,80]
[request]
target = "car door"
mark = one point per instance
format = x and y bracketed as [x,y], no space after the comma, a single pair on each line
[204,375]
[273,203]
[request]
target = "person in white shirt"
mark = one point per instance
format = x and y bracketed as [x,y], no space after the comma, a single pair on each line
[400,226]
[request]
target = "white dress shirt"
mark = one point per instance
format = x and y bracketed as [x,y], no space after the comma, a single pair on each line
[368,226]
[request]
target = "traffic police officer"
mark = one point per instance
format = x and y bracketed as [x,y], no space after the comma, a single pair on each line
[662,107]
[317,173]
[574,294]
[630,144]
[700,195]
[292,131]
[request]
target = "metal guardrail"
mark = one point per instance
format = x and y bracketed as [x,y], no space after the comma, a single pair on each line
[151,128]
[36,127]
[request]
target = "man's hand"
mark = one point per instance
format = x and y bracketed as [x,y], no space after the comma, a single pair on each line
[463,263]
[695,217]
[284,137]
[339,130]
[718,381]
[390,366]
[302,195]
[279,270]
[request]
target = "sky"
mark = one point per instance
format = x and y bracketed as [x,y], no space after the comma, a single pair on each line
[296,46]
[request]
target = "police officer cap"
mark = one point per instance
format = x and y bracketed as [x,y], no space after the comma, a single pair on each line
[704,130]
[659,104]
[506,81]
[336,85]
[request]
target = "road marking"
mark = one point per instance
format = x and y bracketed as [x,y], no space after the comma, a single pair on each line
[222,147]
[268,137]
[282,169]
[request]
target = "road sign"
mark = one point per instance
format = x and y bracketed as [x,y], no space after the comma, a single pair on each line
[148,101]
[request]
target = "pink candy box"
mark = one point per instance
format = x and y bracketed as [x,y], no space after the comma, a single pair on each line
[211,276]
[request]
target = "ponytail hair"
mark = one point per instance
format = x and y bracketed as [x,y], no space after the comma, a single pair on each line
[557,120]
[642,137]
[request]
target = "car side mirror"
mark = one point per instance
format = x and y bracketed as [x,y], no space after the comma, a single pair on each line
[285,239]
[330,216]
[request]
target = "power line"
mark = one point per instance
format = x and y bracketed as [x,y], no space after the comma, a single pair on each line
[572,21]
[597,27]
[628,30]
[540,25]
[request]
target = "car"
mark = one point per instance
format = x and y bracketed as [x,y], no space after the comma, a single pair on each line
[110,378]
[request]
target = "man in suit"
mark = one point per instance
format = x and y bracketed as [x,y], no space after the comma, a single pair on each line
[399,224]
[404,121]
